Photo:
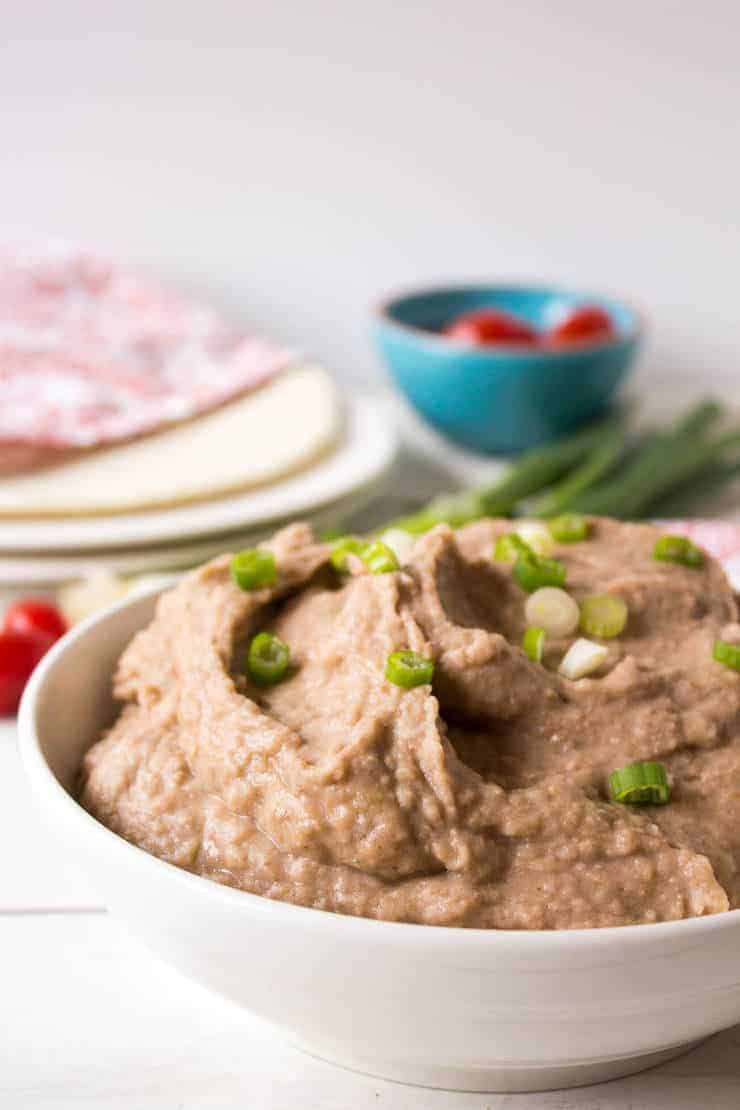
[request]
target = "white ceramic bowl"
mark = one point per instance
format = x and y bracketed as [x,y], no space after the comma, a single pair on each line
[469,1009]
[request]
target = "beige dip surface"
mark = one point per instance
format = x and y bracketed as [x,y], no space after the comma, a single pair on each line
[479,801]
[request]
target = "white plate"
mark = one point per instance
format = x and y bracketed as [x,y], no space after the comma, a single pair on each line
[23,571]
[366,453]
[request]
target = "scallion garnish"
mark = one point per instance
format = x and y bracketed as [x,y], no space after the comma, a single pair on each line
[554,610]
[252,569]
[582,658]
[569,528]
[400,542]
[728,654]
[534,643]
[509,547]
[537,536]
[603,615]
[678,549]
[379,558]
[409,669]
[347,545]
[533,573]
[268,659]
[640,784]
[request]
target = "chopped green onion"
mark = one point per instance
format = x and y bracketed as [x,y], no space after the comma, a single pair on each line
[678,549]
[581,658]
[729,654]
[532,573]
[534,643]
[640,784]
[603,615]
[253,568]
[569,528]
[379,558]
[268,659]
[554,610]
[537,536]
[409,669]
[509,547]
[400,542]
[348,545]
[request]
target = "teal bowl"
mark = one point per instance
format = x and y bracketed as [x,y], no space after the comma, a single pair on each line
[503,398]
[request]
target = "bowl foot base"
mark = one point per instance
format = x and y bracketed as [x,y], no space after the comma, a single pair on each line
[503,1079]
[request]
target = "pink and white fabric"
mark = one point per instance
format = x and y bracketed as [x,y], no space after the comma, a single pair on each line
[92,353]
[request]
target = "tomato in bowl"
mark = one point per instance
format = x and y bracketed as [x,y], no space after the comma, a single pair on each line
[587,323]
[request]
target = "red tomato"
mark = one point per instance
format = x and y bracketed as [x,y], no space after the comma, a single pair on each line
[35,617]
[490,325]
[586,324]
[19,654]
[29,628]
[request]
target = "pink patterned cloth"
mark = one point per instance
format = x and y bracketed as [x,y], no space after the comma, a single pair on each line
[91,353]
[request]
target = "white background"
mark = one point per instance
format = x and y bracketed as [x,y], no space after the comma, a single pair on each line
[296,161]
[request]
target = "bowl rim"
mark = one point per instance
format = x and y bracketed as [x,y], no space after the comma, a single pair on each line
[460,939]
[383,313]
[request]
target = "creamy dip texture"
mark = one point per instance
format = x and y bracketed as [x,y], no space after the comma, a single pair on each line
[480,800]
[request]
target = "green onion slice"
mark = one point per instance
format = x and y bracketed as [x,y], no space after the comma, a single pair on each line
[729,654]
[379,558]
[534,643]
[342,548]
[509,547]
[268,659]
[537,536]
[553,610]
[532,573]
[569,528]
[582,658]
[640,784]
[678,549]
[603,615]
[252,569]
[409,669]
[400,542]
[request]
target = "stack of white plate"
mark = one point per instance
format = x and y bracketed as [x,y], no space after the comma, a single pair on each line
[46,550]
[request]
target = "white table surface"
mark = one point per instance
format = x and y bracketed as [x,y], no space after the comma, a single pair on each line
[91,1019]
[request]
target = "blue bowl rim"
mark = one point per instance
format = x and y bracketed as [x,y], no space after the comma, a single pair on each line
[384,312]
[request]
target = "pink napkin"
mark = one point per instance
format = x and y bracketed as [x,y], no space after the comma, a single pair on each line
[92,353]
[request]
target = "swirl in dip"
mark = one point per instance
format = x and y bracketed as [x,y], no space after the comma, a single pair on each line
[480,799]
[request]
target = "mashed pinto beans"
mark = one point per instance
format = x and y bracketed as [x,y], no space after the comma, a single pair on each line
[479,801]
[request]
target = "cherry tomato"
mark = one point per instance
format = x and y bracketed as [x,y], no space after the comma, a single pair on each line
[29,628]
[587,324]
[35,617]
[19,654]
[490,325]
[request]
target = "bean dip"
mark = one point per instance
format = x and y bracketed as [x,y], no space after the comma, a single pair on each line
[480,799]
